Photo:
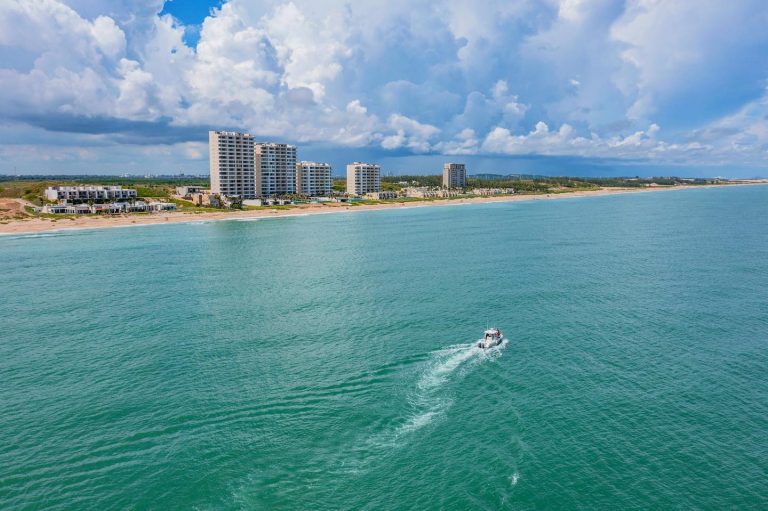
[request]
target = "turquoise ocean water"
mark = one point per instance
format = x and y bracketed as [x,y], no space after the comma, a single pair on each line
[326,362]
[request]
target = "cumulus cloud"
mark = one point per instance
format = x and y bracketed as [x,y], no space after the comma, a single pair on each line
[497,106]
[640,145]
[593,79]
[464,143]
[409,133]
[68,66]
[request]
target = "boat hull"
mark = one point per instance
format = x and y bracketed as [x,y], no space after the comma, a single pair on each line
[489,343]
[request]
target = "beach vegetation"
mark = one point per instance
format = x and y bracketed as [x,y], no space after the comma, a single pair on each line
[527,184]
[32,188]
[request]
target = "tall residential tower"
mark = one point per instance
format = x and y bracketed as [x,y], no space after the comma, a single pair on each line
[454,175]
[275,169]
[231,159]
[363,178]
[313,178]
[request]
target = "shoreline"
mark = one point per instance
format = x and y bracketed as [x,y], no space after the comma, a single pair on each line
[42,225]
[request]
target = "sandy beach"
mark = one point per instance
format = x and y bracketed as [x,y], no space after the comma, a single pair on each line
[34,224]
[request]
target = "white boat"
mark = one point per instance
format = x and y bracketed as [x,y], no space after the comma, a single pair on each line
[491,338]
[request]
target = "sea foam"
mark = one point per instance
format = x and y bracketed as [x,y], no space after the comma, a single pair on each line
[429,399]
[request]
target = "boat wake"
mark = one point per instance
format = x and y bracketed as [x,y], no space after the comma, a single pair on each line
[429,399]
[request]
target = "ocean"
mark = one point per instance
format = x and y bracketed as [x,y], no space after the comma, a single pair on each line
[327,362]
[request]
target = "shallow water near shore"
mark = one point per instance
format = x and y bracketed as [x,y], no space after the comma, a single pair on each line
[328,361]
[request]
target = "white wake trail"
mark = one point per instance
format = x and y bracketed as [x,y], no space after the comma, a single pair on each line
[429,400]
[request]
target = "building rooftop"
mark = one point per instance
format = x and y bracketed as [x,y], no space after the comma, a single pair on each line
[87,187]
[316,163]
[276,144]
[233,133]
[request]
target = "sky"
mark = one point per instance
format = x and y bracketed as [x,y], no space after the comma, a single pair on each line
[564,87]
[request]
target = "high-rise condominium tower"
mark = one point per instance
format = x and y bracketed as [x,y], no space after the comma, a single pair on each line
[231,159]
[454,175]
[275,169]
[313,178]
[363,178]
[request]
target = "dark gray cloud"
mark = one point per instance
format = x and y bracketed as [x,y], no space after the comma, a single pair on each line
[122,131]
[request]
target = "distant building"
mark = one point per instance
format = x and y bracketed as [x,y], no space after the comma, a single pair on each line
[137,207]
[161,206]
[232,164]
[386,195]
[89,193]
[275,166]
[454,175]
[313,178]
[424,192]
[363,178]
[56,208]
[492,191]
[110,208]
[80,209]
[183,191]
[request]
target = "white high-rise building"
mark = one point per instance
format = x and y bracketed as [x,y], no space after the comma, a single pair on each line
[275,169]
[231,159]
[313,178]
[363,178]
[454,175]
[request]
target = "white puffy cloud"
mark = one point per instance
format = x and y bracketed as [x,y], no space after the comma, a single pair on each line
[450,78]
[356,126]
[409,133]
[110,40]
[642,144]
[136,92]
[308,52]
[69,59]
[494,107]
[234,75]
[464,143]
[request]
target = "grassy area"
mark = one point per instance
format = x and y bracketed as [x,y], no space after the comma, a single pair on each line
[181,203]
[29,190]
[393,182]
[388,186]
[153,192]
[33,188]
[186,206]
